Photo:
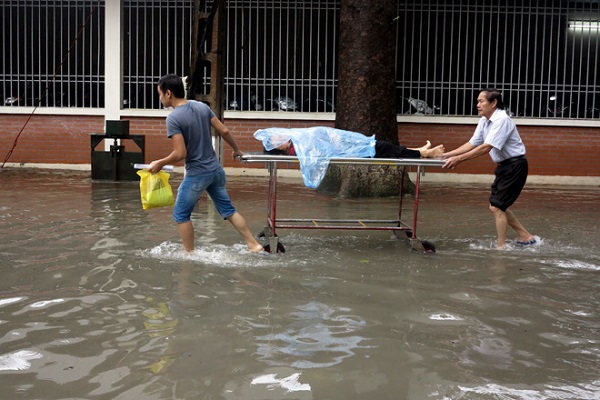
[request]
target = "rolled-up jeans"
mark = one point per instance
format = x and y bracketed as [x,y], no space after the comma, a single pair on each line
[192,187]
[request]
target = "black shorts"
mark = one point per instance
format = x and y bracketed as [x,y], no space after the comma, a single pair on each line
[511,176]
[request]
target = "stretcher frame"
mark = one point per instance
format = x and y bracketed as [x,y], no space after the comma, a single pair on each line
[397,226]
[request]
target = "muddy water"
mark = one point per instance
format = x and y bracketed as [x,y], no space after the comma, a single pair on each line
[97,300]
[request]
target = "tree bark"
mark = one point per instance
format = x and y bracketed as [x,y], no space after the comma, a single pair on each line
[366,94]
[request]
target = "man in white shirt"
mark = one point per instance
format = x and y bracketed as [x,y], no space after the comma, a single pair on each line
[497,135]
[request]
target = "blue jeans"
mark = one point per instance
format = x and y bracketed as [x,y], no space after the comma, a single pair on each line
[191,189]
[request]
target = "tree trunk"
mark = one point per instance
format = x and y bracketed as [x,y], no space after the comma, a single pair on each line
[366,94]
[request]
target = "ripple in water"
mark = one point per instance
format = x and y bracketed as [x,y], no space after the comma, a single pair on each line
[219,255]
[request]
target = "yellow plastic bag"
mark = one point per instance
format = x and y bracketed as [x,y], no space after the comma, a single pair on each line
[155,189]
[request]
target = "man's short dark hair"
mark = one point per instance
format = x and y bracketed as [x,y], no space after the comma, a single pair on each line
[174,83]
[494,94]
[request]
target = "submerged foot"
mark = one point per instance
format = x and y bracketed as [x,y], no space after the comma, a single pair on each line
[523,243]
[255,248]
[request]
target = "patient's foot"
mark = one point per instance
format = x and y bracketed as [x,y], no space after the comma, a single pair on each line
[426,147]
[437,151]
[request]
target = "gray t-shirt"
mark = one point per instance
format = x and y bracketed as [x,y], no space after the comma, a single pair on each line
[192,120]
[501,133]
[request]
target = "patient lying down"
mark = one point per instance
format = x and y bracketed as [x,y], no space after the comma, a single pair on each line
[316,146]
[282,141]
[382,150]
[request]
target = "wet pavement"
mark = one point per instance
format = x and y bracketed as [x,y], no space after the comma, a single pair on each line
[98,301]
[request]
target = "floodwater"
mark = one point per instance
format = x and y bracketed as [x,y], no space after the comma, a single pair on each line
[97,300]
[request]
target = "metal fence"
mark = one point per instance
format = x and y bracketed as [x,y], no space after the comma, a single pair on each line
[282,55]
[541,54]
[47,59]
[157,37]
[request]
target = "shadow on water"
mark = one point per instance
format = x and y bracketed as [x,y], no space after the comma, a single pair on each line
[98,301]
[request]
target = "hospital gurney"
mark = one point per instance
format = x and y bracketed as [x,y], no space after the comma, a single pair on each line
[397,226]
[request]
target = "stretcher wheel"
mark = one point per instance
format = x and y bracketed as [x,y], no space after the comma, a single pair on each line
[403,234]
[422,245]
[428,246]
[280,248]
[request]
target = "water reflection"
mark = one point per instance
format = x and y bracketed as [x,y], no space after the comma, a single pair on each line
[314,335]
[99,301]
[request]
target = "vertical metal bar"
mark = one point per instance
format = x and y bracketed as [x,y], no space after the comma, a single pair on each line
[548,27]
[426,50]
[17,49]
[287,52]
[419,45]
[435,82]
[143,71]
[467,84]
[247,27]
[458,40]
[500,46]
[581,105]
[499,54]
[473,20]
[255,73]
[46,69]
[280,72]
[412,55]
[535,76]
[86,45]
[72,66]
[595,103]
[294,51]
[305,20]
[416,202]
[519,48]
[401,197]
[318,50]
[268,72]
[334,51]
[272,47]
[272,202]
[564,68]
[503,71]
[572,81]
[451,60]
[585,106]
[4,79]
[511,40]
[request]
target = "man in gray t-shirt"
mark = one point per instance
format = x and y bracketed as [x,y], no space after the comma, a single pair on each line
[192,120]
[189,128]
[497,135]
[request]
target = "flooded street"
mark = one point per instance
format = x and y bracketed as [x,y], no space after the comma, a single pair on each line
[98,301]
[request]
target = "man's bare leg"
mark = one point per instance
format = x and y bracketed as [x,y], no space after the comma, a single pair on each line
[513,222]
[186,232]
[239,223]
[501,225]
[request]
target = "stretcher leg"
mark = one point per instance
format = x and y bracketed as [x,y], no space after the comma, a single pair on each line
[411,235]
[403,231]
[274,245]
